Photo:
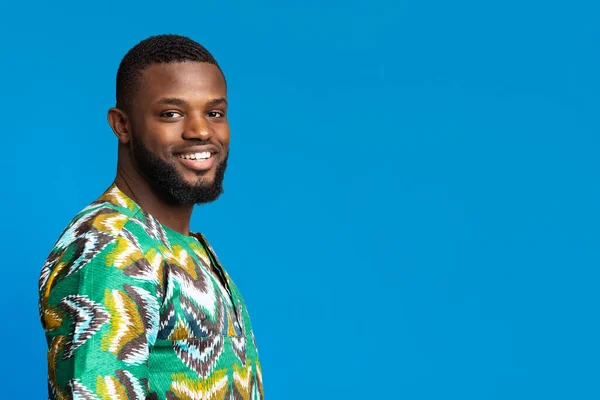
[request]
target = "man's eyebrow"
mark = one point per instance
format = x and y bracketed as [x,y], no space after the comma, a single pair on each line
[173,101]
[220,100]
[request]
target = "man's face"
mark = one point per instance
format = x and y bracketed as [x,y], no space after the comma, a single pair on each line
[180,132]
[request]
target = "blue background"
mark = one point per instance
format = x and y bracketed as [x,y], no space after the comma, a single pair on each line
[411,208]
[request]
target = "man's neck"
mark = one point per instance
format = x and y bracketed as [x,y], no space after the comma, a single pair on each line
[176,217]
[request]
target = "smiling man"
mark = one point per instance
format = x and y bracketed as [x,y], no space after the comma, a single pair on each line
[134,305]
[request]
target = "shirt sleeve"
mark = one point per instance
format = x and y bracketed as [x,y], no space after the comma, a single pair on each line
[101,321]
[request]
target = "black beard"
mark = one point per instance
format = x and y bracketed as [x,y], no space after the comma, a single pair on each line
[167,183]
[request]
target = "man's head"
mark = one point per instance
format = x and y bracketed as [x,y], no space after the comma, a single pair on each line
[171,119]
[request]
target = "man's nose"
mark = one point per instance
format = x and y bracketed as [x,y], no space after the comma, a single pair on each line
[197,128]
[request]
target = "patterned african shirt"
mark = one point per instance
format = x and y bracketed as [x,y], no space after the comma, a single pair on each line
[135,310]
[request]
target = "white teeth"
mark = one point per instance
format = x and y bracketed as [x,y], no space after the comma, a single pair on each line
[196,156]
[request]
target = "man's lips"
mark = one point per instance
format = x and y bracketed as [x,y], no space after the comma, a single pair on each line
[198,158]
[197,149]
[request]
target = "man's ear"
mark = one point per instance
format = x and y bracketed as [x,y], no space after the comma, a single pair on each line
[119,122]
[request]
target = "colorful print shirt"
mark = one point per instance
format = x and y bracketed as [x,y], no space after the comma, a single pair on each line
[135,310]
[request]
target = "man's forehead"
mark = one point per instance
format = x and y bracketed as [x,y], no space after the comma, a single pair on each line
[188,75]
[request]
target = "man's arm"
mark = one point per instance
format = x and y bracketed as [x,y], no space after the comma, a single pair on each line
[100,322]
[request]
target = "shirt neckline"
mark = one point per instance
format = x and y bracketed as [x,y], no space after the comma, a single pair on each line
[128,203]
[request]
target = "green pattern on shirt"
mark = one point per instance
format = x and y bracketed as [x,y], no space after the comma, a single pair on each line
[134,310]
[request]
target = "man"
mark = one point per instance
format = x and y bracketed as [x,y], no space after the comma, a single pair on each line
[134,305]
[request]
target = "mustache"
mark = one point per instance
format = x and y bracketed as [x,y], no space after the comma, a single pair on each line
[194,143]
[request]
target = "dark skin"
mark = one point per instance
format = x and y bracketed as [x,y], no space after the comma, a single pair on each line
[175,106]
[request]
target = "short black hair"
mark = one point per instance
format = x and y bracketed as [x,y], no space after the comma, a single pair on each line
[156,49]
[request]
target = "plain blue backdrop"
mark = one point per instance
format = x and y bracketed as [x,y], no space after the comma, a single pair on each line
[412,203]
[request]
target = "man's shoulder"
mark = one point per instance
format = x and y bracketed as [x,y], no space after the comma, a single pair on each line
[110,232]
[112,228]
[111,219]
[103,220]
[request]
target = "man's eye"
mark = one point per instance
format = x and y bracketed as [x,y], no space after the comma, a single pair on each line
[171,114]
[215,114]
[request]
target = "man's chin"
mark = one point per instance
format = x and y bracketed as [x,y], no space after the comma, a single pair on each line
[194,178]
[200,183]
[189,195]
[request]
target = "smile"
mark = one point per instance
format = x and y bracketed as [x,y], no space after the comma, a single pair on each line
[205,155]
[198,162]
